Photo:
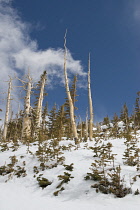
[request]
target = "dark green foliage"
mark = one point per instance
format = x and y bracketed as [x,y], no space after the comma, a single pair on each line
[36,170]
[9,169]
[4,147]
[52,124]
[4,170]
[136,116]
[43,182]
[93,176]
[108,182]
[14,129]
[124,115]
[106,121]
[136,192]
[69,167]
[58,191]
[131,153]
[20,172]
[65,179]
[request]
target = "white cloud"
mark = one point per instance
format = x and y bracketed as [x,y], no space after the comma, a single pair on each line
[18,52]
[136,9]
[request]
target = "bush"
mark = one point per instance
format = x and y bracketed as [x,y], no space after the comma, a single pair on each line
[43,182]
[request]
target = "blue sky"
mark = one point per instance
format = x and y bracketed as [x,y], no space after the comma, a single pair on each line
[109,30]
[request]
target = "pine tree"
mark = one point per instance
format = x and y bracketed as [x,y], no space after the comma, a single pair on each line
[106,121]
[60,120]
[52,123]
[137,111]
[114,130]
[44,116]
[115,119]
[124,114]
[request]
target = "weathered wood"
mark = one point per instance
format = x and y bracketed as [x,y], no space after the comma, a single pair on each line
[73,124]
[90,104]
[26,123]
[7,109]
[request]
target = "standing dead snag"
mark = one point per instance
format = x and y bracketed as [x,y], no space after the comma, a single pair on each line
[86,130]
[90,104]
[40,99]
[73,124]
[26,124]
[7,109]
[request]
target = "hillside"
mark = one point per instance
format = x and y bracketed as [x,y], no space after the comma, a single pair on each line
[65,174]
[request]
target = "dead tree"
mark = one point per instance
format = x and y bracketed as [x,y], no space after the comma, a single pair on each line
[7,109]
[73,124]
[90,104]
[86,130]
[40,100]
[26,123]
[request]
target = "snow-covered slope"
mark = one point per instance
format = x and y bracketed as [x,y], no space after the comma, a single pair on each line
[24,193]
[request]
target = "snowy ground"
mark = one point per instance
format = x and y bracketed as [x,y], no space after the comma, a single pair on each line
[25,194]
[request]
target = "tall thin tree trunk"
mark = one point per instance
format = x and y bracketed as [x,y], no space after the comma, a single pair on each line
[7,110]
[81,128]
[73,124]
[86,134]
[26,124]
[40,100]
[90,104]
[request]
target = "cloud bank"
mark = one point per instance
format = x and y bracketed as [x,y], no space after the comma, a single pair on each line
[18,52]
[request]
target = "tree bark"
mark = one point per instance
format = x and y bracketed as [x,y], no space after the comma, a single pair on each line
[7,110]
[73,124]
[26,124]
[40,100]
[86,134]
[90,104]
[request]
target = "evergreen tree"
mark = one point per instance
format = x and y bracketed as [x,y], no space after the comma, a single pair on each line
[114,130]
[124,115]
[115,119]
[106,120]
[52,123]
[60,121]
[44,115]
[137,111]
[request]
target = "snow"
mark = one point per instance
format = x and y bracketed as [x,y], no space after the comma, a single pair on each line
[24,193]
[104,127]
[121,124]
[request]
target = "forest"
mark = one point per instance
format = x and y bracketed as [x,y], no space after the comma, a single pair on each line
[49,140]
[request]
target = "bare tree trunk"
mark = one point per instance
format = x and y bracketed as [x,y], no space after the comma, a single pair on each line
[26,124]
[73,124]
[86,135]
[7,110]
[40,100]
[90,104]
